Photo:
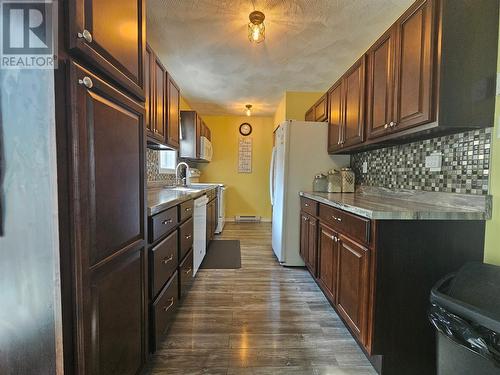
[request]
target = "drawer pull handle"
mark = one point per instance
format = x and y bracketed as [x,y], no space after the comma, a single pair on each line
[87,82]
[336,218]
[306,204]
[170,305]
[188,237]
[187,209]
[188,271]
[168,221]
[306,219]
[166,260]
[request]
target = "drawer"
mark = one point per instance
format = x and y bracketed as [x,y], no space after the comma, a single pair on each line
[162,223]
[186,210]
[163,311]
[185,238]
[164,261]
[356,227]
[309,206]
[186,274]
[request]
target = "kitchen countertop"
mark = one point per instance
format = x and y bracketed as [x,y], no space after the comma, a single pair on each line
[399,204]
[160,197]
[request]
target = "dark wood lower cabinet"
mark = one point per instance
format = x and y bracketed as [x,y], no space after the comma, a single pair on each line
[328,261]
[353,285]
[379,281]
[104,259]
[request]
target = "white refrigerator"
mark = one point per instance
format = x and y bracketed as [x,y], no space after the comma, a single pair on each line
[300,152]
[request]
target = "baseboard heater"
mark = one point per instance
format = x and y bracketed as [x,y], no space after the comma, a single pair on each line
[247,219]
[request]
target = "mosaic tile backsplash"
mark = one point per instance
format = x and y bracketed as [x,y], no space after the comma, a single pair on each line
[465,164]
[153,168]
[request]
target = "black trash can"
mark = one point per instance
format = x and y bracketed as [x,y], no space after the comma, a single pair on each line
[465,310]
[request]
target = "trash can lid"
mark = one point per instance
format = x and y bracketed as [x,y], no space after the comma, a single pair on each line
[472,293]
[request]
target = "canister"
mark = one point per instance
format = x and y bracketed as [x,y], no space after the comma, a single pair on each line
[334,181]
[347,176]
[320,183]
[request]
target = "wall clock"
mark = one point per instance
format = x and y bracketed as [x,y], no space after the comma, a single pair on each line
[245,129]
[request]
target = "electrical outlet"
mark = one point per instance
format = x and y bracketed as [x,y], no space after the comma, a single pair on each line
[365,167]
[434,162]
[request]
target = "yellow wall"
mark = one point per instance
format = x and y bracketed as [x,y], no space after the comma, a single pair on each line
[184,105]
[247,193]
[294,105]
[492,245]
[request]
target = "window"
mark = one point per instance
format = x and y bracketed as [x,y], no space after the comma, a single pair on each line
[168,161]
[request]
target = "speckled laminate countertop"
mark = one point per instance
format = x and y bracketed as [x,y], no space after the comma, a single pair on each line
[389,204]
[161,198]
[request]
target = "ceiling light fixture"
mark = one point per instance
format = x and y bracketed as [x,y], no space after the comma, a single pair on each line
[256,28]
[248,110]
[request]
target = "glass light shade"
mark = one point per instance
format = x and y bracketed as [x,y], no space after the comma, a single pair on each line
[256,32]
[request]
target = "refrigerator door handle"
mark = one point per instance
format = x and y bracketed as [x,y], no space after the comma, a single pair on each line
[271,176]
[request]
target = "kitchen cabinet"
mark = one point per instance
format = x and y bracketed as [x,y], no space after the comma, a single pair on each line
[424,78]
[211,219]
[160,100]
[414,63]
[170,266]
[308,242]
[107,226]
[381,80]
[336,117]
[319,111]
[328,260]
[96,35]
[347,109]
[173,119]
[192,128]
[377,275]
[353,285]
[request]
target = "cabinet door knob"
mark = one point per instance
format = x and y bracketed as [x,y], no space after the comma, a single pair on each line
[187,209]
[392,124]
[188,271]
[87,82]
[188,237]
[85,34]
[386,126]
[306,204]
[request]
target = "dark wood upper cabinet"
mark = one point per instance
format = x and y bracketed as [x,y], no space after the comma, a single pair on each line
[192,128]
[354,107]
[414,90]
[111,36]
[319,110]
[160,101]
[336,117]
[310,114]
[353,285]
[107,224]
[380,81]
[425,77]
[149,87]
[173,118]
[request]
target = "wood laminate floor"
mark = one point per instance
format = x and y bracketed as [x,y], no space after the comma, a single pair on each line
[260,319]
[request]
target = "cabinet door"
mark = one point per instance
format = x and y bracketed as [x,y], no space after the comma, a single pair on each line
[353,85]
[160,100]
[173,113]
[111,35]
[310,114]
[304,238]
[199,130]
[336,117]
[380,85]
[108,225]
[312,246]
[149,87]
[353,285]
[321,109]
[328,258]
[414,61]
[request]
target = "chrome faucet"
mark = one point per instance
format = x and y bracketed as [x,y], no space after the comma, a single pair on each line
[184,183]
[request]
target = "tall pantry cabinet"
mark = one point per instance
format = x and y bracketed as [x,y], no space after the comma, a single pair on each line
[100,148]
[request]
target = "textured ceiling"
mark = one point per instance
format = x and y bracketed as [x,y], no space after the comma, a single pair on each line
[309,44]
